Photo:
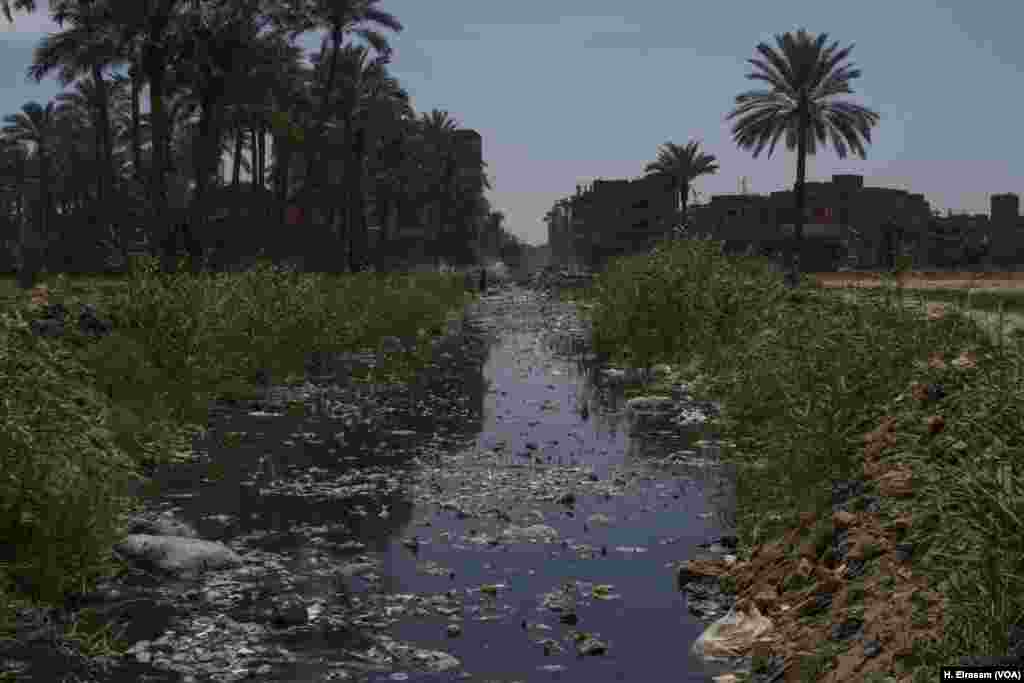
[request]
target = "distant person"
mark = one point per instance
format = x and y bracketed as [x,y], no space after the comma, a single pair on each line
[483,280]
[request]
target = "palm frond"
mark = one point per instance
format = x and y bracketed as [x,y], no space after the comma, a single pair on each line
[805,75]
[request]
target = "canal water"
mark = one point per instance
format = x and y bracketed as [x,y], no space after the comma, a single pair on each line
[503,518]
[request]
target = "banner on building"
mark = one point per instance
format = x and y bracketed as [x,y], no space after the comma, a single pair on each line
[820,222]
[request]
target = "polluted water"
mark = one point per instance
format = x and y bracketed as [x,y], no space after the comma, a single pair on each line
[506,516]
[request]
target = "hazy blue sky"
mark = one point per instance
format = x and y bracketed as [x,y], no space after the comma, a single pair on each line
[571,90]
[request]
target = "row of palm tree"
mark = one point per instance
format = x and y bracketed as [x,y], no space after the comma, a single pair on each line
[804,76]
[225,77]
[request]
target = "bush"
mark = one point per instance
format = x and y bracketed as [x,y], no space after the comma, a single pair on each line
[64,485]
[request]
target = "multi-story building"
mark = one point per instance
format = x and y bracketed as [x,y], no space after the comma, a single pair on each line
[845,222]
[1006,230]
[610,218]
[560,238]
[842,214]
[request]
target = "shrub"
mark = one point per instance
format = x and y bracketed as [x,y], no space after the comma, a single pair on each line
[64,485]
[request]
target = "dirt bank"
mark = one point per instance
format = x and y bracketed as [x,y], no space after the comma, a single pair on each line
[926,279]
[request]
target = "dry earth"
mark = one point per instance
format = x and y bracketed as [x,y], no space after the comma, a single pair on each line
[927,279]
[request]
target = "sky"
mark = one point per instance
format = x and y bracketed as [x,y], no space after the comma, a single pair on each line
[566,91]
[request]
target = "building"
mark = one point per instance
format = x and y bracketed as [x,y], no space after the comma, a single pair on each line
[843,219]
[1005,230]
[846,224]
[560,238]
[610,218]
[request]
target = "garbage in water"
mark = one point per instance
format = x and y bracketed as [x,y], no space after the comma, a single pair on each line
[505,516]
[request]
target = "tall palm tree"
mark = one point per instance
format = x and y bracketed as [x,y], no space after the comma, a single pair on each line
[340,18]
[217,53]
[390,168]
[805,76]
[13,169]
[152,26]
[683,164]
[73,152]
[88,46]
[22,5]
[372,96]
[436,140]
[34,125]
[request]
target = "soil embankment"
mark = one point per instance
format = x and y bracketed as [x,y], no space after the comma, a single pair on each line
[926,279]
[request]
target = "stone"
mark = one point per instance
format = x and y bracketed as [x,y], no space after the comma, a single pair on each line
[178,555]
[161,525]
[850,628]
[52,321]
[650,405]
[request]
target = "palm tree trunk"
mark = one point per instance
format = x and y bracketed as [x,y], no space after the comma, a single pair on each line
[33,235]
[679,202]
[253,152]
[262,128]
[325,102]
[206,160]
[155,64]
[282,165]
[136,76]
[236,171]
[800,195]
[359,239]
[103,104]
[684,195]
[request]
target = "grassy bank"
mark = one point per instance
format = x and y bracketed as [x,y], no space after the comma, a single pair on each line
[81,417]
[818,388]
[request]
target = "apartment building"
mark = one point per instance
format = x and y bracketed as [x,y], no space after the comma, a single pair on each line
[1005,231]
[846,223]
[610,218]
[873,221]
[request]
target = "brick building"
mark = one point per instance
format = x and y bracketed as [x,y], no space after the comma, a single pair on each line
[846,224]
[1005,231]
[872,222]
[610,218]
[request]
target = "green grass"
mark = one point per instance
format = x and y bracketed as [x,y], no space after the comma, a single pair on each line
[82,418]
[804,374]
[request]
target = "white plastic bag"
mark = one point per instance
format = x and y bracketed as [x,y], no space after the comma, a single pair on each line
[734,634]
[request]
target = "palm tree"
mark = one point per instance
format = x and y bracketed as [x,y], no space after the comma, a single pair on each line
[437,134]
[23,5]
[13,169]
[152,26]
[804,76]
[339,18]
[216,55]
[683,164]
[88,46]
[34,126]
[390,167]
[72,152]
[372,96]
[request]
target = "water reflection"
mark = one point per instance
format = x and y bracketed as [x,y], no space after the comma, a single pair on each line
[520,392]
